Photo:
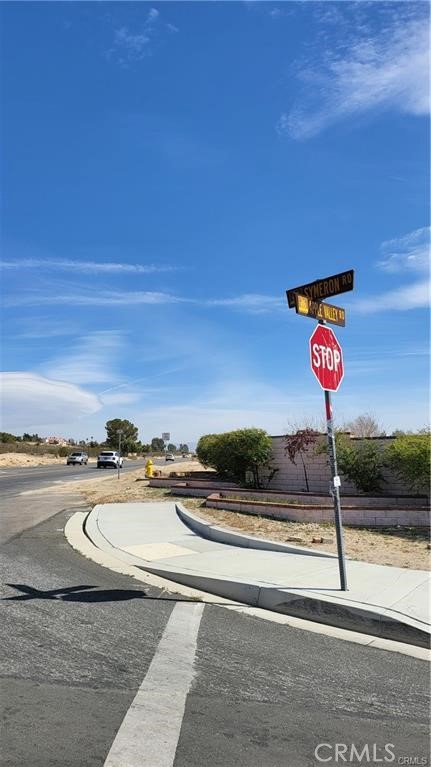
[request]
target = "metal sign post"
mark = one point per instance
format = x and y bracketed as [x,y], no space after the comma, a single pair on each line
[119,432]
[326,358]
[335,491]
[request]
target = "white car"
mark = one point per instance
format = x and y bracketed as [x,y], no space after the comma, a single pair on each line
[169,457]
[80,458]
[109,458]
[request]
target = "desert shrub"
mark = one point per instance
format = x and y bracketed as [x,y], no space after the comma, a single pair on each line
[409,458]
[206,448]
[361,462]
[234,453]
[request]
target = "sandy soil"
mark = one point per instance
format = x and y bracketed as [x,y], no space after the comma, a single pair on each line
[399,547]
[9,460]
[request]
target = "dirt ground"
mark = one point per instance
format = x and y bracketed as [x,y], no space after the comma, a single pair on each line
[11,460]
[400,547]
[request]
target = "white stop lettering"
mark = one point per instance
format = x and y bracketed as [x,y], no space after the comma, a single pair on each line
[325,357]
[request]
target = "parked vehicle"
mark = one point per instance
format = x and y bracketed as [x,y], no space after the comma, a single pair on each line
[109,459]
[169,457]
[79,457]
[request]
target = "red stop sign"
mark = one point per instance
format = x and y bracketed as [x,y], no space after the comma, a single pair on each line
[326,358]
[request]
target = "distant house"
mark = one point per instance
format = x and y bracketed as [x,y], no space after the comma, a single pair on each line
[56,441]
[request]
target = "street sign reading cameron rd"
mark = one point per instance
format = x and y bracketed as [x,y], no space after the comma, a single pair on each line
[320,289]
[319,311]
[326,358]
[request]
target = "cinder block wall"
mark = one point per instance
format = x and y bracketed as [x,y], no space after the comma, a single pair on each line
[291,476]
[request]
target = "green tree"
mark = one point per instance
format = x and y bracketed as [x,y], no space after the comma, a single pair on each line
[6,437]
[409,458]
[235,453]
[129,436]
[157,445]
[184,448]
[172,448]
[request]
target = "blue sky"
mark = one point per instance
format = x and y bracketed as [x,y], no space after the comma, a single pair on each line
[169,170]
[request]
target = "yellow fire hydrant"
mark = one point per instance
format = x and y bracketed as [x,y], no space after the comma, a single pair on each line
[149,468]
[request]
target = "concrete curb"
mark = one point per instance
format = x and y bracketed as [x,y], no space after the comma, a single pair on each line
[219,534]
[106,555]
[347,615]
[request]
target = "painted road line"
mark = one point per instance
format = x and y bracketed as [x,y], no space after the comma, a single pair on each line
[149,733]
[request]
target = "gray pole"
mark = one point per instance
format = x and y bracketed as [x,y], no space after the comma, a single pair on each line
[335,491]
[119,453]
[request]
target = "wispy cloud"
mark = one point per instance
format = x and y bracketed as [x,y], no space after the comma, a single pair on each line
[130,46]
[30,400]
[385,70]
[121,398]
[414,296]
[251,302]
[88,361]
[94,298]
[410,252]
[86,267]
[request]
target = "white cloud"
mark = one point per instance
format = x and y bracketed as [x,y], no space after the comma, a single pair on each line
[414,296]
[410,252]
[120,398]
[30,401]
[253,302]
[89,361]
[250,302]
[132,46]
[387,70]
[153,14]
[87,267]
[94,298]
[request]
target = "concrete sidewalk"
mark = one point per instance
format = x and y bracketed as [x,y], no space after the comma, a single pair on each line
[165,539]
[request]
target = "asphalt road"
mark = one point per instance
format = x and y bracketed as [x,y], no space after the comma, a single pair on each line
[16,480]
[77,641]
[24,502]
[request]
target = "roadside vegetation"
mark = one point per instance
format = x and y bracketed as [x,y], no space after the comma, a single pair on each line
[362,462]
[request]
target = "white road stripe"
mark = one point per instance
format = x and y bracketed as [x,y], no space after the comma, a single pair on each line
[149,733]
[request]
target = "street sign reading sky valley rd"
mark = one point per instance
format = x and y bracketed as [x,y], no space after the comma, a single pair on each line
[320,311]
[320,289]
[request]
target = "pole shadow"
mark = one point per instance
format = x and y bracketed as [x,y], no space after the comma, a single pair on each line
[86,593]
[82,593]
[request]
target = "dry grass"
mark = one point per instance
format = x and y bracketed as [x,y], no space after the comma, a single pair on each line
[400,547]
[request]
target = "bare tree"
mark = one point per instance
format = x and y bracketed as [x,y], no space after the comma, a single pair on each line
[364,425]
[305,423]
